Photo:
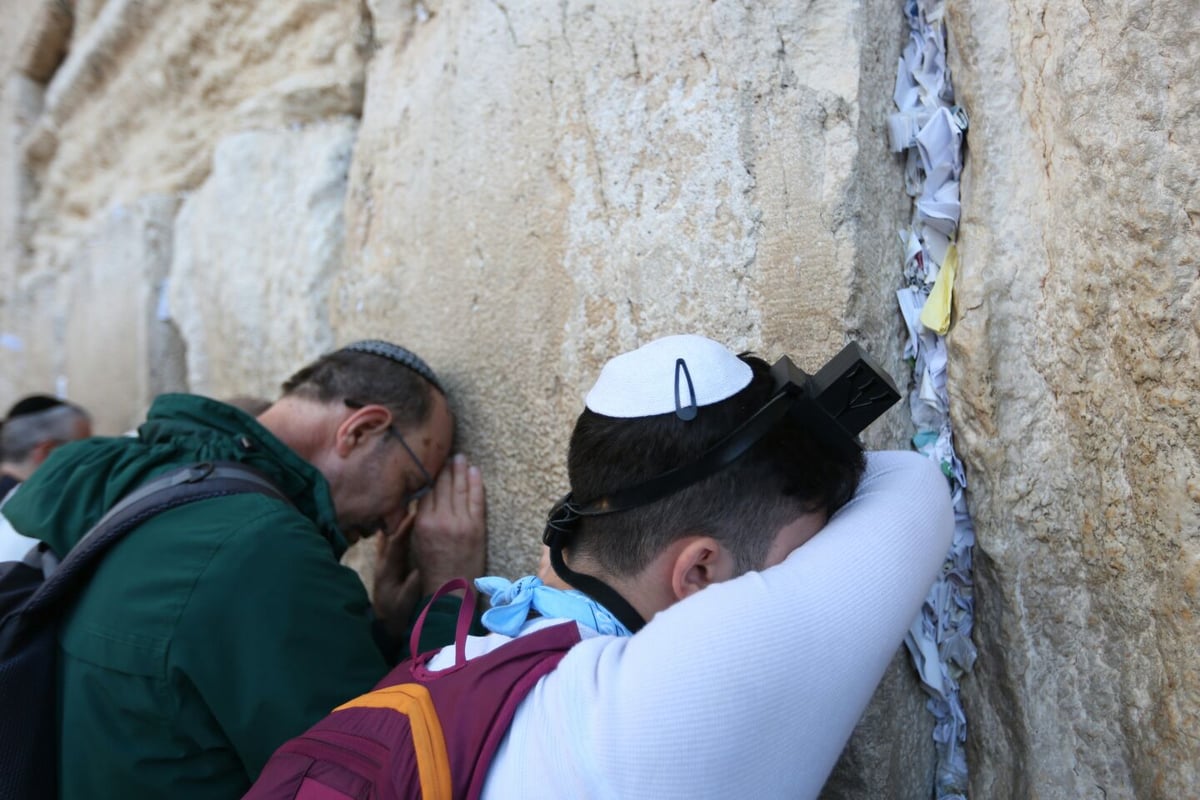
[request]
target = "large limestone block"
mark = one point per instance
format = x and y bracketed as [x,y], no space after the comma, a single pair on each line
[1073,373]
[33,319]
[148,88]
[119,353]
[255,249]
[538,186]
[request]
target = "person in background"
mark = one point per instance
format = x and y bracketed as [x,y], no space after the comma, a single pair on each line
[214,631]
[31,430]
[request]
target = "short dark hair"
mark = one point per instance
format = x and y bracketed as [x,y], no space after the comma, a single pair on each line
[786,474]
[33,404]
[365,378]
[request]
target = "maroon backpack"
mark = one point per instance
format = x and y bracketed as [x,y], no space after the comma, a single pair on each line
[419,734]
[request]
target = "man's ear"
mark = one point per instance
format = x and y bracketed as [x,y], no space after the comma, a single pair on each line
[362,425]
[699,561]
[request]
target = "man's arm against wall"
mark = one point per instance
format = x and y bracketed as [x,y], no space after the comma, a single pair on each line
[757,681]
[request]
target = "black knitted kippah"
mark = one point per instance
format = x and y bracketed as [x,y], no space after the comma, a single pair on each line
[398,354]
[33,404]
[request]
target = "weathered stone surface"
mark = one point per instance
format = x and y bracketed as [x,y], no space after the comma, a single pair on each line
[891,753]
[1075,394]
[537,187]
[29,307]
[20,105]
[35,317]
[26,25]
[149,87]
[86,13]
[115,281]
[255,249]
[44,42]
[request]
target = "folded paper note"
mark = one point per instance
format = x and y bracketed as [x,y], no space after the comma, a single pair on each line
[936,313]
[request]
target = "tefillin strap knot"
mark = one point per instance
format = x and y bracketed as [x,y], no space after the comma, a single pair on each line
[562,520]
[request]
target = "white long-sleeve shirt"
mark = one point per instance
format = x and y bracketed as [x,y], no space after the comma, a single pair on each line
[749,688]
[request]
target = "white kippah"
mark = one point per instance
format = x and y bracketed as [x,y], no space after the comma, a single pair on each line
[645,382]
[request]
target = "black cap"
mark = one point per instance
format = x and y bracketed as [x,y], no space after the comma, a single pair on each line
[33,404]
[398,354]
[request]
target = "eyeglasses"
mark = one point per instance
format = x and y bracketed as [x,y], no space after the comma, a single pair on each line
[427,479]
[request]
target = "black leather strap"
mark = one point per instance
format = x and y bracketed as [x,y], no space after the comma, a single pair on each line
[176,488]
[595,588]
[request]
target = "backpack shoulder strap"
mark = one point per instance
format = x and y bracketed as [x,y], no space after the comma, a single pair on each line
[178,487]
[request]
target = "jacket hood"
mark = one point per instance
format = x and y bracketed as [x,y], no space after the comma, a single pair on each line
[80,481]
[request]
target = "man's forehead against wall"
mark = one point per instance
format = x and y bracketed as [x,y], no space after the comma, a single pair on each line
[661,408]
[374,419]
[371,371]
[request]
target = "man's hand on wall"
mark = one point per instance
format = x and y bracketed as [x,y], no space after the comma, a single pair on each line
[449,537]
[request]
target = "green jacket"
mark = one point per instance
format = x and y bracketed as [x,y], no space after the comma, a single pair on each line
[212,633]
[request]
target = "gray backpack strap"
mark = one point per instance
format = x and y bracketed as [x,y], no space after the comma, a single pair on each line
[178,487]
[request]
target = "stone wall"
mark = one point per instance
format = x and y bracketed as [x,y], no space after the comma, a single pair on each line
[135,112]
[1075,394]
[202,196]
[592,176]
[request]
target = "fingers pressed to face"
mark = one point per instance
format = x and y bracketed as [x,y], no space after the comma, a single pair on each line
[391,552]
[397,532]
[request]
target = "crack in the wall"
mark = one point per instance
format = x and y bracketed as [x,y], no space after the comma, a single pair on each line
[581,91]
[512,34]
[930,128]
[367,43]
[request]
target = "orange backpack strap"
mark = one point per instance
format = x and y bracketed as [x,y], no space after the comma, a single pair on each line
[419,734]
[413,701]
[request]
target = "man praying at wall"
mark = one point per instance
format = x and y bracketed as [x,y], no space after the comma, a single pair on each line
[735,577]
[215,630]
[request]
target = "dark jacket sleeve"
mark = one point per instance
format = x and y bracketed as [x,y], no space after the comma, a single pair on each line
[275,635]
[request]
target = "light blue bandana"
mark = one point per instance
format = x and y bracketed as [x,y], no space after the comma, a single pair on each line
[512,602]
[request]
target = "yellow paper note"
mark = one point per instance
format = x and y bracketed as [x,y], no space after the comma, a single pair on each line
[936,313]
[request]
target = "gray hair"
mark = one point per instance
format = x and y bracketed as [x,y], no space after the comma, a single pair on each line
[371,371]
[21,434]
